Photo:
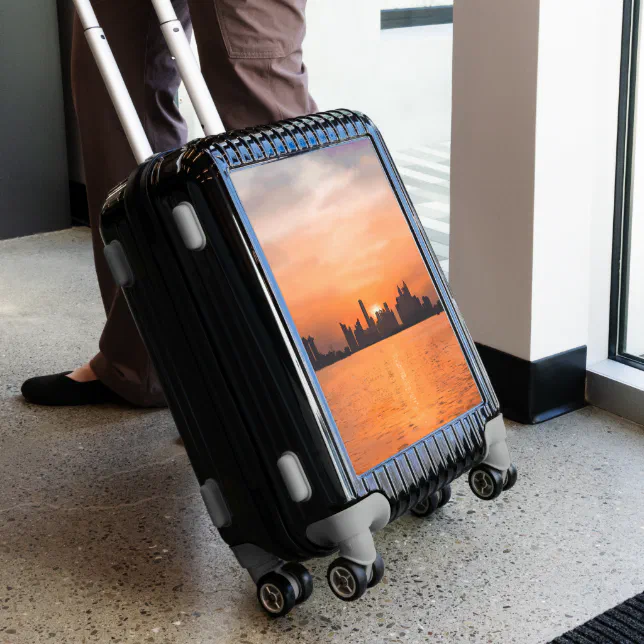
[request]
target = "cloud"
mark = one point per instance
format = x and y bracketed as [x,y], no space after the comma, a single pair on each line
[333,232]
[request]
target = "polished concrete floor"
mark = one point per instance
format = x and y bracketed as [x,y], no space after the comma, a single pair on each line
[104,537]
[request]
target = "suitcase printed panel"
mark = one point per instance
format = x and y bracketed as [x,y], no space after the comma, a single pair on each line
[473,439]
[339,250]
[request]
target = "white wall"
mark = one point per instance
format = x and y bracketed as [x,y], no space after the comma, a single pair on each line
[563,176]
[577,104]
[493,157]
[533,167]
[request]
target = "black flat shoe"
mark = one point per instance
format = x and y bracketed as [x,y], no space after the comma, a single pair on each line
[59,390]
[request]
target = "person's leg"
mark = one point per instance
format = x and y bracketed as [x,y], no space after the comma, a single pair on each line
[251,52]
[132,29]
[251,57]
[151,76]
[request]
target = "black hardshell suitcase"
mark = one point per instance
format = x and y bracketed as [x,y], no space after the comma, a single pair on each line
[269,420]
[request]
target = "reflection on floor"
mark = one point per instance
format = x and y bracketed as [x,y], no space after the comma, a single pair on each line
[425,171]
[104,536]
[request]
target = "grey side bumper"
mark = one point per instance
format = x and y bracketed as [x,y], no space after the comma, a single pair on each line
[497,454]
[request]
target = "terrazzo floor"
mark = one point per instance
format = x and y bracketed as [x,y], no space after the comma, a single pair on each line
[104,537]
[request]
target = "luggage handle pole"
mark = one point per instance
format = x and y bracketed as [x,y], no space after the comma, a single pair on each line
[179,46]
[114,82]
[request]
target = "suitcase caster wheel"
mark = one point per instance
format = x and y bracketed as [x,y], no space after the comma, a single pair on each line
[510,477]
[377,572]
[445,496]
[347,579]
[276,594]
[428,506]
[486,482]
[303,578]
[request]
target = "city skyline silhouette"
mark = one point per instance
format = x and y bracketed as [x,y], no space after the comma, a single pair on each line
[410,308]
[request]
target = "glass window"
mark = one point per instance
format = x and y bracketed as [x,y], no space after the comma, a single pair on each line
[627,310]
[413,31]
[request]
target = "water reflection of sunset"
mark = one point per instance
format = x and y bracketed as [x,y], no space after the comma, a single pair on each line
[405,387]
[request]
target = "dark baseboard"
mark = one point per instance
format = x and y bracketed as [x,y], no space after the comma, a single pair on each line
[78,203]
[416,17]
[533,392]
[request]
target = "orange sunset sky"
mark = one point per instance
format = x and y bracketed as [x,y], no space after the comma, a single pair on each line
[333,233]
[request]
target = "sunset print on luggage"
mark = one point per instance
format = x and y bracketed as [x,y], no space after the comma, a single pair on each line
[374,330]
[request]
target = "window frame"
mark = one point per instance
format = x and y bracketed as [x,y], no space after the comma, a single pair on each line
[416,16]
[620,267]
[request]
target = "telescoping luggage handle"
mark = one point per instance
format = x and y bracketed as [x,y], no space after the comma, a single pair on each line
[189,70]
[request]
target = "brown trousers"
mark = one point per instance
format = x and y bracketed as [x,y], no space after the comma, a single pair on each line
[251,56]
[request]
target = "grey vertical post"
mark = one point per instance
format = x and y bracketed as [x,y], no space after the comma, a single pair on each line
[34,190]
